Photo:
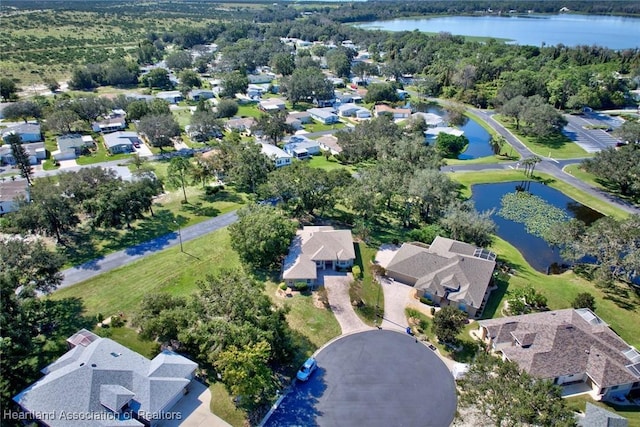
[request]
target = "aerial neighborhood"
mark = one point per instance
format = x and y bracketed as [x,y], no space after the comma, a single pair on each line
[278,214]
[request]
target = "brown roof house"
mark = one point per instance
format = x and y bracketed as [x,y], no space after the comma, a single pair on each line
[448,272]
[573,348]
[317,248]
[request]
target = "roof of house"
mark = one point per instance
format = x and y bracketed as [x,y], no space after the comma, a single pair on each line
[241,123]
[595,416]
[430,119]
[298,142]
[331,142]
[316,243]
[119,138]
[383,108]
[99,376]
[323,113]
[22,128]
[273,151]
[443,129]
[169,94]
[272,103]
[9,190]
[299,114]
[564,342]
[447,266]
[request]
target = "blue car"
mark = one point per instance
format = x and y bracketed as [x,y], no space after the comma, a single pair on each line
[307,369]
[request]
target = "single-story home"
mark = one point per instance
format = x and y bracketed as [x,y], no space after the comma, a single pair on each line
[241,125]
[199,95]
[277,155]
[303,116]
[432,120]
[35,151]
[99,382]
[447,272]
[71,145]
[301,147]
[9,191]
[110,124]
[139,96]
[272,104]
[317,248]
[397,113]
[255,91]
[28,132]
[293,122]
[569,347]
[433,133]
[347,98]
[171,96]
[353,110]
[330,143]
[261,78]
[121,142]
[324,115]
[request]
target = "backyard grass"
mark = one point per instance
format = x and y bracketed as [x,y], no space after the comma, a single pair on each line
[320,127]
[121,290]
[619,306]
[129,338]
[631,413]
[321,162]
[182,116]
[367,292]
[249,110]
[467,179]
[557,147]
[222,405]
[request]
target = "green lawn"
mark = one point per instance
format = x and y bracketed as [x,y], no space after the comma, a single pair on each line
[557,147]
[182,116]
[121,290]
[222,405]
[469,178]
[249,110]
[320,127]
[321,162]
[631,413]
[129,338]
[577,171]
[369,291]
[620,307]
[100,154]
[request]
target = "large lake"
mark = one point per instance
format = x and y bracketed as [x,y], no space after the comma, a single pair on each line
[571,30]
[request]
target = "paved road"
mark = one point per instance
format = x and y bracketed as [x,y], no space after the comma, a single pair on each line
[118,259]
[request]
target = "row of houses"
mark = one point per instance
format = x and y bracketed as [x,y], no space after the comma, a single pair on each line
[299,147]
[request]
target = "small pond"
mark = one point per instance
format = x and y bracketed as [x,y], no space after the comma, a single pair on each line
[478,137]
[535,250]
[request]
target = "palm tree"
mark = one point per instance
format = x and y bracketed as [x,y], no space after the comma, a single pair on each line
[496,142]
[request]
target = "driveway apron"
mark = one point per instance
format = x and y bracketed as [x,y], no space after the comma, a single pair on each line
[337,286]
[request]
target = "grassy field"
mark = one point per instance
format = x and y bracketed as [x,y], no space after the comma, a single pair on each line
[320,127]
[619,307]
[171,271]
[249,110]
[557,147]
[469,178]
[321,162]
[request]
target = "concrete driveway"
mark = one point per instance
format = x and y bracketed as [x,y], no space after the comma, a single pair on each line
[194,409]
[337,286]
[397,297]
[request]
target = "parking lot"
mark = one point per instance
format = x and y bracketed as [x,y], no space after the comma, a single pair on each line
[585,130]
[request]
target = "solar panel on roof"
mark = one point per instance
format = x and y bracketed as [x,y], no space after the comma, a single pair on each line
[635,369]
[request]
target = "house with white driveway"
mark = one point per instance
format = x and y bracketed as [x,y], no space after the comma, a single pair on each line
[71,146]
[99,382]
[324,115]
[110,124]
[300,147]
[121,142]
[447,272]
[574,348]
[317,248]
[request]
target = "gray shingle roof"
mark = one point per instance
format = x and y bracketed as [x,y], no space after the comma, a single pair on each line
[445,267]
[101,376]
[596,416]
[563,342]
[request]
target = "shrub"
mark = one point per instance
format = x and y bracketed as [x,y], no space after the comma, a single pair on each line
[283,286]
[117,321]
[426,300]
[301,286]
[433,311]
[357,273]
[210,191]
[378,270]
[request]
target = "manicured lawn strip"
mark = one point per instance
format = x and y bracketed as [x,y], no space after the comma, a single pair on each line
[129,338]
[249,110]
[560,291]
[559,147]
[320,127]
[121,290]
[370,291]
[481,160]
[469,178]
[222,405]
[581,174]
[100,154]
[321,162]
[631,413]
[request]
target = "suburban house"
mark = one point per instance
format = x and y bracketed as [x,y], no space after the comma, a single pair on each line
[348,98]
[28,132]
[397,113]
[99,382]
[280,157]
[9,191]
[573,348]
[432,120]
[272,104]
[353,110]
[317,248]
[433,133]
[261,78]
[35,152]
[293,122]
[241,125]
[71,145]
[121,142]
[199,95]
[595,416]
[301,147]
[330,143]
[303,116]
[171,96]
[447,272]
[257,90]
[323,115]
[111,124]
